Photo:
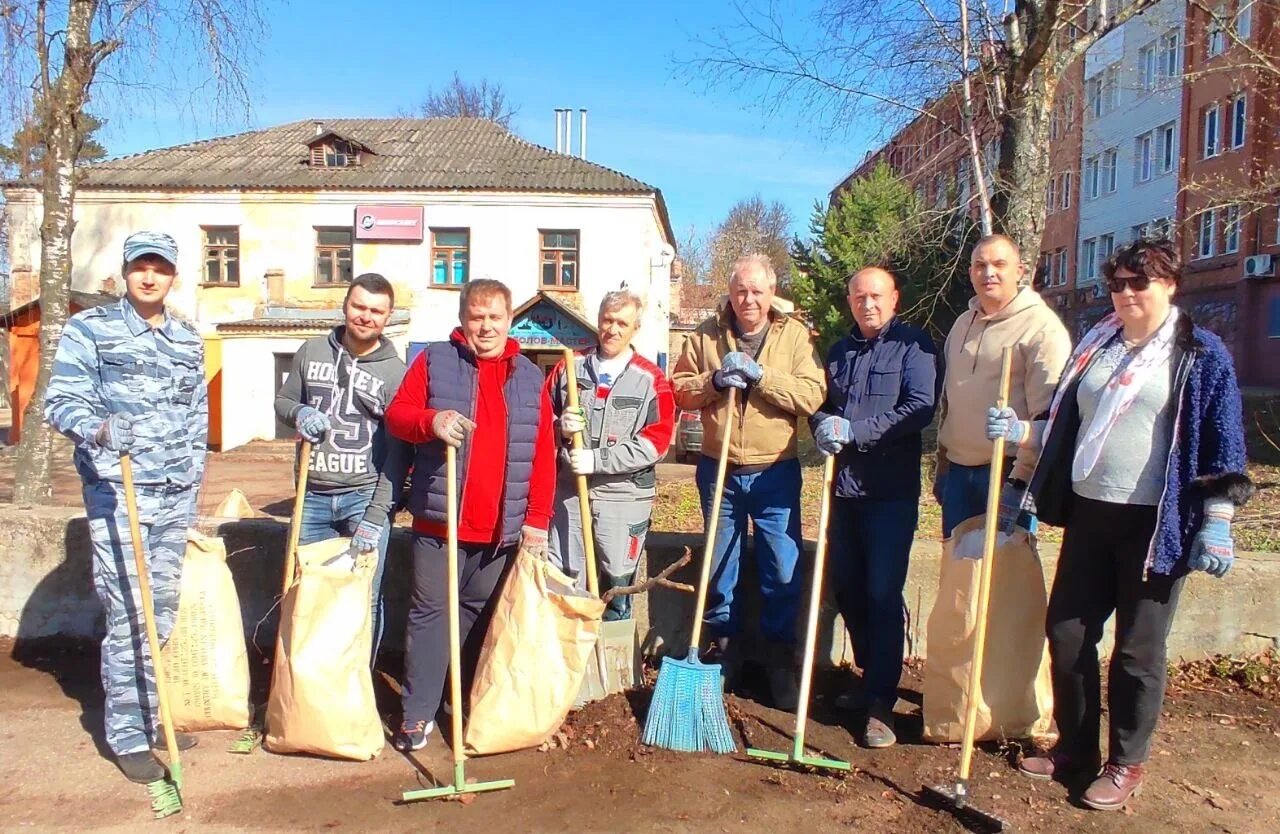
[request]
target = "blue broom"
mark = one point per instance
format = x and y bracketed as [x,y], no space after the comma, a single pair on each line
[687,710]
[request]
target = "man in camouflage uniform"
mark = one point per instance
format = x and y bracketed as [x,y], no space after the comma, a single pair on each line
[129,377]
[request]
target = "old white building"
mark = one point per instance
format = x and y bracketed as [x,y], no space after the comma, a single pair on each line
[1130,156]
[271,225]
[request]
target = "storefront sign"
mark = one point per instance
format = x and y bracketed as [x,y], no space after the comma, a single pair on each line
[544,327]
[389,223]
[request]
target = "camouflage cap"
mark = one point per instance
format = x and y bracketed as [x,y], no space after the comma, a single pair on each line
[150,243]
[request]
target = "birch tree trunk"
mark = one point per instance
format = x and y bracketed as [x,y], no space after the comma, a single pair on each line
[64,101]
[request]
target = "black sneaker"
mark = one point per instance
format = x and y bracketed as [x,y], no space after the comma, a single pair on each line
[140,767]
[185,740]
[412,735]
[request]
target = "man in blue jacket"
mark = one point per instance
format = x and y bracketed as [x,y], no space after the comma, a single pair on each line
[882,387]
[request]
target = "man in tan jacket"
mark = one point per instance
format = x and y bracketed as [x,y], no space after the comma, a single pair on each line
[768,359]
[1003,313]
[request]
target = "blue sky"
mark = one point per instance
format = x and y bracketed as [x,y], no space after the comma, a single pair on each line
[705,148]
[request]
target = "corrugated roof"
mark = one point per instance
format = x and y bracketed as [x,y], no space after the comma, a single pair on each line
[299,318]
[411,154]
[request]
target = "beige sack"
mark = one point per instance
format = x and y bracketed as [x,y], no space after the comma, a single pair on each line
[1015,690]
[531,666]
[321,688]
[206,656]
[235,505]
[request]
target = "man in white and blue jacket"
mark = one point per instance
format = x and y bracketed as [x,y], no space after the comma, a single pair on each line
[882,388]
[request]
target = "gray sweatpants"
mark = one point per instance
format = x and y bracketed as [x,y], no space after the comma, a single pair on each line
[620,528]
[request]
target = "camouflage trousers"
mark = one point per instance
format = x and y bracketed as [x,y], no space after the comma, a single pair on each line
[620,529]
[127,676]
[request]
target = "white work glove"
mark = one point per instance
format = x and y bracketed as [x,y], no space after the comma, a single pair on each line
[582,461]
[451,427]
[533,541]
[573,421]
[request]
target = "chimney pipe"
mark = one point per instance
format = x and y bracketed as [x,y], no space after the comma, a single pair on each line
[558,137]
[568,131]
[582,143]
[319,128]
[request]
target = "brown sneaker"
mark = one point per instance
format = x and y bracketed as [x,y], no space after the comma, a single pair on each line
[1054,765]
[1114,787]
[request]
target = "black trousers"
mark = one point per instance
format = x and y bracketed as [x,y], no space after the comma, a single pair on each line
[1100,572]
[426,648]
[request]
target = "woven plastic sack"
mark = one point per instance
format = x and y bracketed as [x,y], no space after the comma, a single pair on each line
[1015,691]
[542,635]
[321,688]
[206,656]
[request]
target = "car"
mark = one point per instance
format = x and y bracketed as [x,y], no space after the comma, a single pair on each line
[688,436]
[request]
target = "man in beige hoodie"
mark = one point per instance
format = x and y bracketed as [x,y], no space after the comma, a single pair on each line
[1003,313]
[768,359]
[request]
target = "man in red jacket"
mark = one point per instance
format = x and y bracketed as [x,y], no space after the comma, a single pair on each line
[476,393]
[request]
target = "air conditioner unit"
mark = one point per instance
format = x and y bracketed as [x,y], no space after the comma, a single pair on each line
[1259,266]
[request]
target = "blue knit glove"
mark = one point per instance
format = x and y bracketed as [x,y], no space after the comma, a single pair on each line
[367,536]
[743,365]
[832,435]
[116,433]
[1212,550]
[1003,422]
[723,379]
[312,424]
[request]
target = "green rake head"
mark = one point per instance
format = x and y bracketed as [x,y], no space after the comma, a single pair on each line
[798,760]
[458,789]
[165,798]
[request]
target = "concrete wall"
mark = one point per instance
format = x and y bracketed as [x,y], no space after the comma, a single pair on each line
[45,589]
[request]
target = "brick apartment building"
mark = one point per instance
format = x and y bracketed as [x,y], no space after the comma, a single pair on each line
[1158,122]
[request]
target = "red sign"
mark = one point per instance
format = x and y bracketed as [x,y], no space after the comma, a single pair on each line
[389,223]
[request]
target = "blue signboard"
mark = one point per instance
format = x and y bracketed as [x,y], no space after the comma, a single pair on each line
[543,326]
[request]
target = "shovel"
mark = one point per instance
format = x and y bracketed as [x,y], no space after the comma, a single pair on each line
[615,638]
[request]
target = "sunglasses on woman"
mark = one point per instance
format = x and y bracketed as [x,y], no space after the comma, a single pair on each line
[1139,282]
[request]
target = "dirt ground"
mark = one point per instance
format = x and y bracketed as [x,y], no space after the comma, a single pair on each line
[1216,768]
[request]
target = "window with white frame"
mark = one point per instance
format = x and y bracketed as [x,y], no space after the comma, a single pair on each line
[1106,245]
[1217,36]
[1091,179]
[1231,229]
[1110,162]
[1089,260]
[1166,144]
[1244,20]
[1093,95]
[1170,59]
[1143,159]
[1205,224]
[1142,231]
[1051,195]
[1239,121]
[1062,268]
[1148,66]
[1161,228]
[1066,190]
[1211,132]
[1054,124]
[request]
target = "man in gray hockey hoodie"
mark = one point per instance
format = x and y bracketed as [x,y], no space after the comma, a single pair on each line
[336,394]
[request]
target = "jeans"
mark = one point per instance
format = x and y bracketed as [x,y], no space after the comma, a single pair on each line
[329,514]
[771,500]
[426,643]
[963,495]
[869,549]
[1100,572]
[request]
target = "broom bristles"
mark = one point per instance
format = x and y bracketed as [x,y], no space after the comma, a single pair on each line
[165,799]
[687,713]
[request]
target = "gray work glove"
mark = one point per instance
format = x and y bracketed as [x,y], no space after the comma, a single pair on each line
[116,433]
[451,427]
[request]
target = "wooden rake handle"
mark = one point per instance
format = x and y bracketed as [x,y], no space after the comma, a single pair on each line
[148,611]
[815,604]
[994,481]
[584,489]
[455,628]
[713,521]
[295,521]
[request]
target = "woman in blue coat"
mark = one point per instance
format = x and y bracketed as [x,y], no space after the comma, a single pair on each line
[1143,463]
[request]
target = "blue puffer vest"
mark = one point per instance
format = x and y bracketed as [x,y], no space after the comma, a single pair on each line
[452,385]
